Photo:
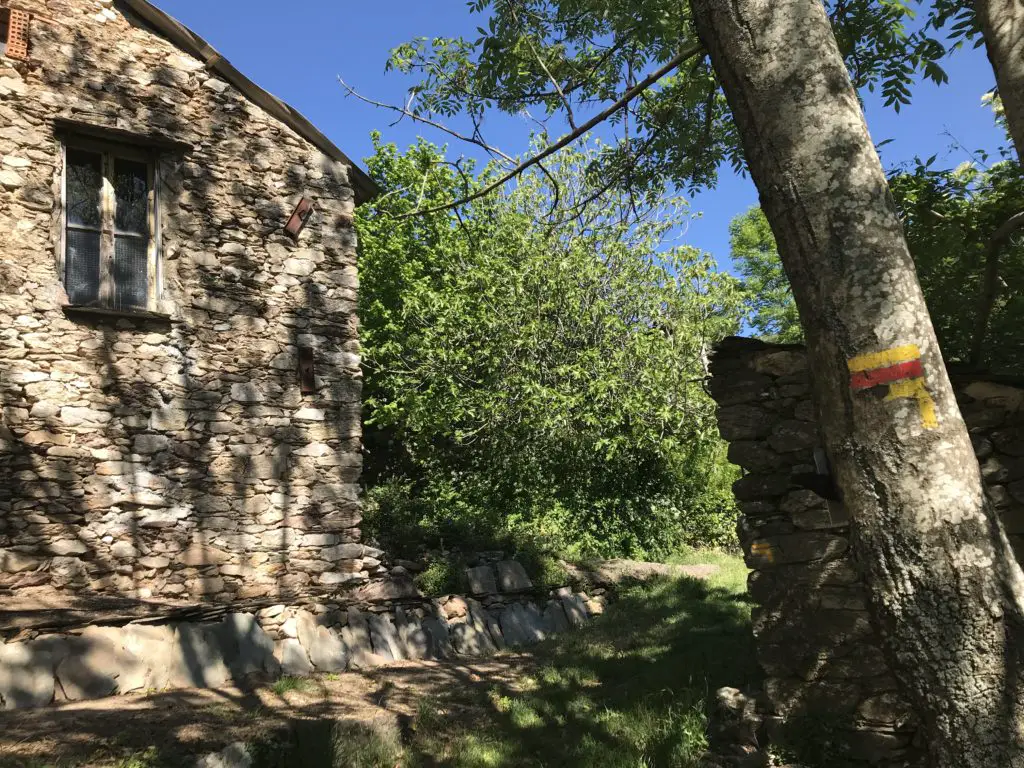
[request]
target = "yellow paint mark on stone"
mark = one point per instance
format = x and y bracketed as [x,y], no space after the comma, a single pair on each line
[916,389]
[884,358]
[763,550]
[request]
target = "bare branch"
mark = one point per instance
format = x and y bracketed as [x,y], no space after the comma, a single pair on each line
[405,112]
[990,284]
[570,137]
[569,116]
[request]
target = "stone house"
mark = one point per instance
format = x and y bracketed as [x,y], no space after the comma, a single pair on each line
[179,355]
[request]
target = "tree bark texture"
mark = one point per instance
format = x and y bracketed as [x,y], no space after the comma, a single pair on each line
[945,589]
[1002,23]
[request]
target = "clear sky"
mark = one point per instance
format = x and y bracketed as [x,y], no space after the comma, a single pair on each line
[296,51]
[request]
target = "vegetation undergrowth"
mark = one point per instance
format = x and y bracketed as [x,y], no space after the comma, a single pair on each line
[630,689]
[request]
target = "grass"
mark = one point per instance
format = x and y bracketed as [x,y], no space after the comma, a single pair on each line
[629,690]
[287,684]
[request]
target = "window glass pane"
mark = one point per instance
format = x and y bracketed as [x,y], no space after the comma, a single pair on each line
[82,264]
[85,183]
[131,271]
[131,190]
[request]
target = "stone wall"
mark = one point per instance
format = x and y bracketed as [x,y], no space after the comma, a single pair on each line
[371,626]
[814,639]
[174,457]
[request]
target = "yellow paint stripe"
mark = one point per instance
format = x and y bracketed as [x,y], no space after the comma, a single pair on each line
[916,389]
[883,359]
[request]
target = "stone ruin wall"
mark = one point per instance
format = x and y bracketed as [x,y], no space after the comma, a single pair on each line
[814,639]
[175,458]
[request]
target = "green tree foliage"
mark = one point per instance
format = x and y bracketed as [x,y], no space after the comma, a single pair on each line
[772,312]
[572,57]
[949,218]
[536,376]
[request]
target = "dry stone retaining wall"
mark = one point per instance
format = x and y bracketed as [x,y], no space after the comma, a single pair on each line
[815,642]
[369,630]
[174,457]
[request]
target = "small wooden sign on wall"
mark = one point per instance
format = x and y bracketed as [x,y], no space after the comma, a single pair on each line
[297,222]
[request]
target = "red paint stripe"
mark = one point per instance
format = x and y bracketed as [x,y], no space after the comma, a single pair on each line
[867,379]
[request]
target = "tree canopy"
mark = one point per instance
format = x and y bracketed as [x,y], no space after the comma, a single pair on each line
[538,381]
[950,218]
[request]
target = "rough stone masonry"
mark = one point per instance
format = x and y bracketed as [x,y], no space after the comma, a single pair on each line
[821,656]
[173,454]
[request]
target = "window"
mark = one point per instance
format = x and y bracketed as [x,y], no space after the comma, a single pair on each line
[5,26]
[110,255]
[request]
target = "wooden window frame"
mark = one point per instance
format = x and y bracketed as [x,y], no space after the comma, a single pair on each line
[110,152]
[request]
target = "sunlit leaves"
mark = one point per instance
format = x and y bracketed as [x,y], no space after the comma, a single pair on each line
[539,369]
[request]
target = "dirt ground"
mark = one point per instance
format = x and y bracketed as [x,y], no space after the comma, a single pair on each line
[179,725]
[188,723]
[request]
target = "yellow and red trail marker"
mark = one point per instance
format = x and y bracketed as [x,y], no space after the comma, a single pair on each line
[902,370]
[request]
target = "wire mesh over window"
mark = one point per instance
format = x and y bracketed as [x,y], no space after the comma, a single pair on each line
[82,279]
[83,257]
[108,241]
[131,268]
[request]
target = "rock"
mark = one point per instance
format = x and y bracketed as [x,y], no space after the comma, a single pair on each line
[575,610]
[123,550]
[17,562]
[522,625]
[156,646]
[247,393]
[754,456]
[512,577]
[743,422]
[412,637]
[356,636]
[95,664]
[149,444]
[384,637]
[795,548]
[293,659]
[26,674]
[236,755]
[342,552]
[198,555]
[197,657]
[67,547]
[438,636]
[387,589]
[555,618]
[481,580]
[10,179]
[327,650]
[733,724]
[246,646]
[754,487]
[789,436]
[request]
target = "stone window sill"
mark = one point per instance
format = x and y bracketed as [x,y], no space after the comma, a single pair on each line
[128,314]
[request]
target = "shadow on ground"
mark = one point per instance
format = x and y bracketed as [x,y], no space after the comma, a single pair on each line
[629,689]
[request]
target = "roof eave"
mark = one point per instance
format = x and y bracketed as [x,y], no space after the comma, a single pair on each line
[364,187]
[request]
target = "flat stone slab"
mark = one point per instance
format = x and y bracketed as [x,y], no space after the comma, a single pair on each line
[512,576]
[481,580]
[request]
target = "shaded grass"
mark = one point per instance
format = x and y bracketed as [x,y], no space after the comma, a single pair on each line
[630,689]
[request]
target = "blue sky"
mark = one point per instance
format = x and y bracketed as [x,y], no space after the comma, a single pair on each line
[297,52]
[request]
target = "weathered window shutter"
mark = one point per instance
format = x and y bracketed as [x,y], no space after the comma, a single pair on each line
[17,35]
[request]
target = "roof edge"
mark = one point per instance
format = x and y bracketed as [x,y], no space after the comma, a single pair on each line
[364,187]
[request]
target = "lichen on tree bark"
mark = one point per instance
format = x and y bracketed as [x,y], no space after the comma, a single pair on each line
[945,589]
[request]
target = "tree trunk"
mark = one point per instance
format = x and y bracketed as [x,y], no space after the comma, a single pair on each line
[1002,23]
[945,589]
